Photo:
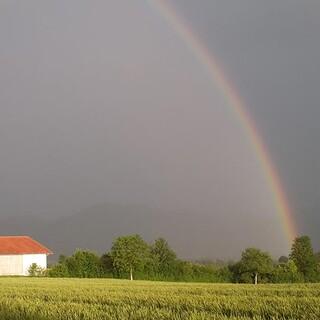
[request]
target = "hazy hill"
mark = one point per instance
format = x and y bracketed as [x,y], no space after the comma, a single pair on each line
[96,227]
[191,234]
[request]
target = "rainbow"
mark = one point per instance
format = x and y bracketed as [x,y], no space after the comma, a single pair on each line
[219,79]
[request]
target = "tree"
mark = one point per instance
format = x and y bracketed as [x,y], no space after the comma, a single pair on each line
[304,258]
[317,257]
[107,263]
[62,258]
[164,257]
[35,270]
[234,269]
[286,273]
[254,263]
[59,270]
[283,259]
[129,254]
[183,271]
[83,264]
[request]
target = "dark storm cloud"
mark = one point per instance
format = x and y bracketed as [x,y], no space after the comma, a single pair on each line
[271,51]
[102,103]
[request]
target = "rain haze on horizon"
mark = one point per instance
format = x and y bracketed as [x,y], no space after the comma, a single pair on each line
[103,103]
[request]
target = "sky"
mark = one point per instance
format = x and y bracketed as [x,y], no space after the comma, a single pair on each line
[102,102]
[270,52]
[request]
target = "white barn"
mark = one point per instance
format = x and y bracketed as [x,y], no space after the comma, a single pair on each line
[18,253]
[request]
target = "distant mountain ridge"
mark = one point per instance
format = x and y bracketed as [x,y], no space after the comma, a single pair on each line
[96,227]
[192,234]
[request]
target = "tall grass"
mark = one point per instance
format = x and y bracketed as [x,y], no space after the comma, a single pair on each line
[44,298]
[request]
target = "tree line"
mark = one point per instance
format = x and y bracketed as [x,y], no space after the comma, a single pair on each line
[131,257]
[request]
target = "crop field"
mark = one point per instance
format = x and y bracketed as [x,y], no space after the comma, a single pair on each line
[44,298]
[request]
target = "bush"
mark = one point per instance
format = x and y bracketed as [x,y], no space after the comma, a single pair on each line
[82,264]
[59,270]
[286,273]
[36,271]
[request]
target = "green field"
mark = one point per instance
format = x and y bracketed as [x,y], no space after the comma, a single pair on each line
[43,298]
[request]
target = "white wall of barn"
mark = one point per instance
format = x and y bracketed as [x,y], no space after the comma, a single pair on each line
[11,265]
[19,264]
[29,259]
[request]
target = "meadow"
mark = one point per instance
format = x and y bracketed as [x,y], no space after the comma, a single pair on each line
[45,298]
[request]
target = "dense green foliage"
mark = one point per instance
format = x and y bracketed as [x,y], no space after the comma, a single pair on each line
[303,256]
[82,264]
[36,271]
[253,263]
[88,299]
[286,273]
[131,256]
[165,259]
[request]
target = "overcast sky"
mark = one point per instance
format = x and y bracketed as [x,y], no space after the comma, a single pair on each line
[101,102]
[270,50]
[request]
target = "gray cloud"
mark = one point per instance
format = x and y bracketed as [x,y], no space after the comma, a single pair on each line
[102,103]
[270,50]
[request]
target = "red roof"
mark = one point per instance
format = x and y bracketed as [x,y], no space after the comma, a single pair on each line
[21,245]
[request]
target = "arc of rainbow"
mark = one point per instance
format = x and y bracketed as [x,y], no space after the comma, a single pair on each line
[217,75]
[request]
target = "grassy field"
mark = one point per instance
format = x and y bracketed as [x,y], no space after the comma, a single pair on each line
[43,298]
